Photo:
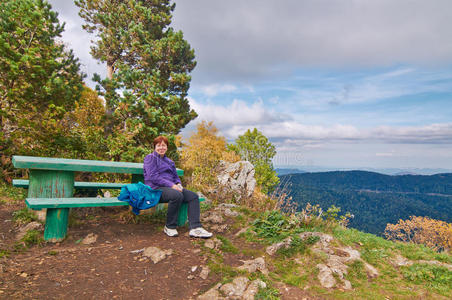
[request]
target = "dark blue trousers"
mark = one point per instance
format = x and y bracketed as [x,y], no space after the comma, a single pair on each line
[174,198]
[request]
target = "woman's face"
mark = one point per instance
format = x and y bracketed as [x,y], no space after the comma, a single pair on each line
[161,148]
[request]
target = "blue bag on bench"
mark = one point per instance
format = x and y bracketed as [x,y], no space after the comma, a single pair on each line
[139,196]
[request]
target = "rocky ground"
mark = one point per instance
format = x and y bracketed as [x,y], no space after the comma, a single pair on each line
[108,254]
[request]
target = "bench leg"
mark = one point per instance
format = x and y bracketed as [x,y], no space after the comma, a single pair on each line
[56,224]
[183,212]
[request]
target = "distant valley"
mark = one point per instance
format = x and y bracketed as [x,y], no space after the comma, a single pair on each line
[374,199]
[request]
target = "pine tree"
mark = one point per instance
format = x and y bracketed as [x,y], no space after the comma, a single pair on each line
[148,66]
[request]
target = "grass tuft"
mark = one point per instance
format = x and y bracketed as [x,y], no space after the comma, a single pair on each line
[24,216]
[227,245]
[434,277]
[33,237]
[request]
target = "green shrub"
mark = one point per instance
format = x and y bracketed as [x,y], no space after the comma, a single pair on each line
[33,237]
[273,226]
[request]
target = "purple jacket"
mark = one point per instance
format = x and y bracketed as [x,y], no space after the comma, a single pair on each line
[159,171]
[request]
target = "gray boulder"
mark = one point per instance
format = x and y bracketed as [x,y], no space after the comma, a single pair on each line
[236,178]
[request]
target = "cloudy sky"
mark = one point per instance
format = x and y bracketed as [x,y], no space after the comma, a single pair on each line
[332,83]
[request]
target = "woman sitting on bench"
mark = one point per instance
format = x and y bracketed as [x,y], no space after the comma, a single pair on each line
[160,173]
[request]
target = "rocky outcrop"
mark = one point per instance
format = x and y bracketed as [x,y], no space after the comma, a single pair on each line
[337,261]
[272,249]
[254,265]
[400,261]
[239,288]
[236,179]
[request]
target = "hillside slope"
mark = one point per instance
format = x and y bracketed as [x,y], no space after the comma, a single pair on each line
[375,199]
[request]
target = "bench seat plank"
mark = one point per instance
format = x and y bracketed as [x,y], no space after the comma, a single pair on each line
[39,203]
[24,183]
[81,165]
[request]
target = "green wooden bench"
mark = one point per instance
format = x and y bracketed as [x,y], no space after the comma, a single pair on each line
[51,185]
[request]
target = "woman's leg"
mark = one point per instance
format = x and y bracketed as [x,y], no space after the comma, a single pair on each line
[174,199]
[193,208]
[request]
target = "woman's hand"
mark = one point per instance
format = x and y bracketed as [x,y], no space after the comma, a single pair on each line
[177,187]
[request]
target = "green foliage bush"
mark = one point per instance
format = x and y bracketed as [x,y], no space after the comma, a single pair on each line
[33,237]
[254,147]
[40,82]
[273,226]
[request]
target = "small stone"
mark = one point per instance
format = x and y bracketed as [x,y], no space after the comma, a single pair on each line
[347,285]
[190,277]
[254,265]
[400,261]
[212,294]
[236,288]
[253,288]
[229,213]
[137,251]
[243,230]
[23,274]
[89,239]
[213,217]
[209,244]
[370,270]
[271,250]
[157,254]
[204,272]
[193,269]
[212,243]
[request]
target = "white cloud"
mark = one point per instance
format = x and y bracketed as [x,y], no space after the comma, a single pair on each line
[238,113]
[236,118]
[215,89]
[384,154]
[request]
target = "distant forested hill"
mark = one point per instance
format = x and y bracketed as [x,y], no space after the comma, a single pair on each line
[375,199]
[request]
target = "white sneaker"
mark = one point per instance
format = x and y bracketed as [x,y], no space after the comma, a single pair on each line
[170,232]
[200,233]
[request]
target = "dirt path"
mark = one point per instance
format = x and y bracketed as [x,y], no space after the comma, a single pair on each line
[106,269]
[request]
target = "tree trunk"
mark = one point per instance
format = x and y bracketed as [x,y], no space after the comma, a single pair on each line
[108,128]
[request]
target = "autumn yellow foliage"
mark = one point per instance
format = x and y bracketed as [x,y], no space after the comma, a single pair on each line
[202,153]
[435,234]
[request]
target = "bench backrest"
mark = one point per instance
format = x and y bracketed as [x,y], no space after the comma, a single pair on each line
[81,165]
